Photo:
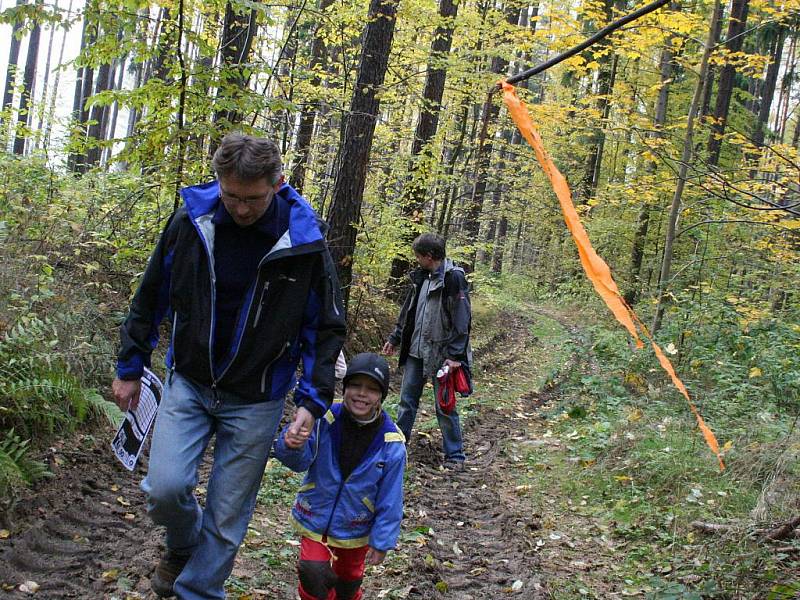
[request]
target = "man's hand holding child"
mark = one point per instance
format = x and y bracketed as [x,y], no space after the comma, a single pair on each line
[298,432]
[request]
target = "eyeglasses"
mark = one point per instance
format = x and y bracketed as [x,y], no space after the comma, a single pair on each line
[230,199]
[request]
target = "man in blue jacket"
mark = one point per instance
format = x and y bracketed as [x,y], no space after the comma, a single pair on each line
[243,271]
[432,331]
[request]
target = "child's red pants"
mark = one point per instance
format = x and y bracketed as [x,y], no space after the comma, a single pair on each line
[337,571]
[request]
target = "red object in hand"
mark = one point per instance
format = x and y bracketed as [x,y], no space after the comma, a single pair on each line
[451,380]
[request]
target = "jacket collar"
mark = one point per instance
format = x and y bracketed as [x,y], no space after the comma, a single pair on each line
[302,233]
[419,274]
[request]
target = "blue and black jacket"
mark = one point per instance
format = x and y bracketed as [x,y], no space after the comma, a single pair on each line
[291,311]
[367,507]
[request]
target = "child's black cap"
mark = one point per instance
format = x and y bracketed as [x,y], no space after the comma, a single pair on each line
[372,365]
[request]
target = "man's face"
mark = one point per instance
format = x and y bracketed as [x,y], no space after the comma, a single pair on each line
[245,201]
[425,261]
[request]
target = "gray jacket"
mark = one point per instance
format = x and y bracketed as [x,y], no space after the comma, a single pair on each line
[447,322]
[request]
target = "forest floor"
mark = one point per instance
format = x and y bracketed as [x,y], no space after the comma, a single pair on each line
[501,528]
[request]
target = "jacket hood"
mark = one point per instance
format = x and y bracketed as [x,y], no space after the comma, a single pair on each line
[304,226]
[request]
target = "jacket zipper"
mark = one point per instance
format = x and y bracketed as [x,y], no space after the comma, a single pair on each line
[246,317]
[172,344]
[335,503]
[269,364]
[260,304]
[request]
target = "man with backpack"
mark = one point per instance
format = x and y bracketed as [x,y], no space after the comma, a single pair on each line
[432,331]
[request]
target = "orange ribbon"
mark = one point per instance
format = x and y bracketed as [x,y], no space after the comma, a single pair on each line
[595,267]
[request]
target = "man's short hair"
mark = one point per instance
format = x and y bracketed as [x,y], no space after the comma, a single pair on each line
[248,158]
[430,244]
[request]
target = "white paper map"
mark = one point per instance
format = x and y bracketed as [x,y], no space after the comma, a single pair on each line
[129,441]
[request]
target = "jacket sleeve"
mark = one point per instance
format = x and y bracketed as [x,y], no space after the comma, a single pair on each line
[389,504]
[297,459]
[139,331]
[396,337]
[321,338]
[460,315]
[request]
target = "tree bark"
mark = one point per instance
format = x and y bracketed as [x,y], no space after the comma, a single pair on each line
[238,32]
[770,81]
[666,69]
[359,130]
[11,70]
[28,89]
[484,153]
[733,43]
[308,115]
[686,157]
[51,111]
[708,84]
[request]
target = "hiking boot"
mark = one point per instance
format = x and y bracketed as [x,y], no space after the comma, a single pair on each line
[167,571]
[454,465]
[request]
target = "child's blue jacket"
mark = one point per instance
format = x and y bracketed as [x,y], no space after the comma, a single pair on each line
[364,509]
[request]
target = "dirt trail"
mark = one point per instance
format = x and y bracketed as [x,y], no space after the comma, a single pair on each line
[479,545]
[466,535]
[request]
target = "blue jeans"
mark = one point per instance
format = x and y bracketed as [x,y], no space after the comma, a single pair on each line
[410,392]
[187,418]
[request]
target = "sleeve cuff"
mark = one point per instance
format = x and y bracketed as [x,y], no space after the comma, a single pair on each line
[312,407]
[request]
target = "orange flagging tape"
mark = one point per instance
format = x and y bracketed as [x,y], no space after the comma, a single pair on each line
[595,267]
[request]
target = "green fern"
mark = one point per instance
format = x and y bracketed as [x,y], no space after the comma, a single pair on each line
[17,468]
[103,408]
[37,393]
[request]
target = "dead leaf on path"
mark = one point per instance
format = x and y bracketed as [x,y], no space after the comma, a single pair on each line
[110,575]
[115,488]
[122,501]
[29,587]
[129,517]
[4,533]
[456,550]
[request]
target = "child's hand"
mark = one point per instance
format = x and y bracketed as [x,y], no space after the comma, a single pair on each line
[296,440]
[374,557]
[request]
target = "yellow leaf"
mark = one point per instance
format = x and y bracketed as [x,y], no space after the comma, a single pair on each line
[727,446]
[635,415]
[755,372]
[110,575]
[4,533]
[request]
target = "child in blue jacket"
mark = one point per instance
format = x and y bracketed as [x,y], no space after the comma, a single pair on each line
[350,505]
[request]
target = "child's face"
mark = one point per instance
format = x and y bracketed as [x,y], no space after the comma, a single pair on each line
[362,396]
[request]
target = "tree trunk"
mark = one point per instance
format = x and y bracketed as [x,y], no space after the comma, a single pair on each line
[666,69]
[768,89]
[308,115]
[348,191]
[733,43]
[11,70]
[83,90]
[97,117]
[238,32]
[422,159]
[489,114]
[51,111]
[28,85]
[686,157]
[708,84]
[41,108]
